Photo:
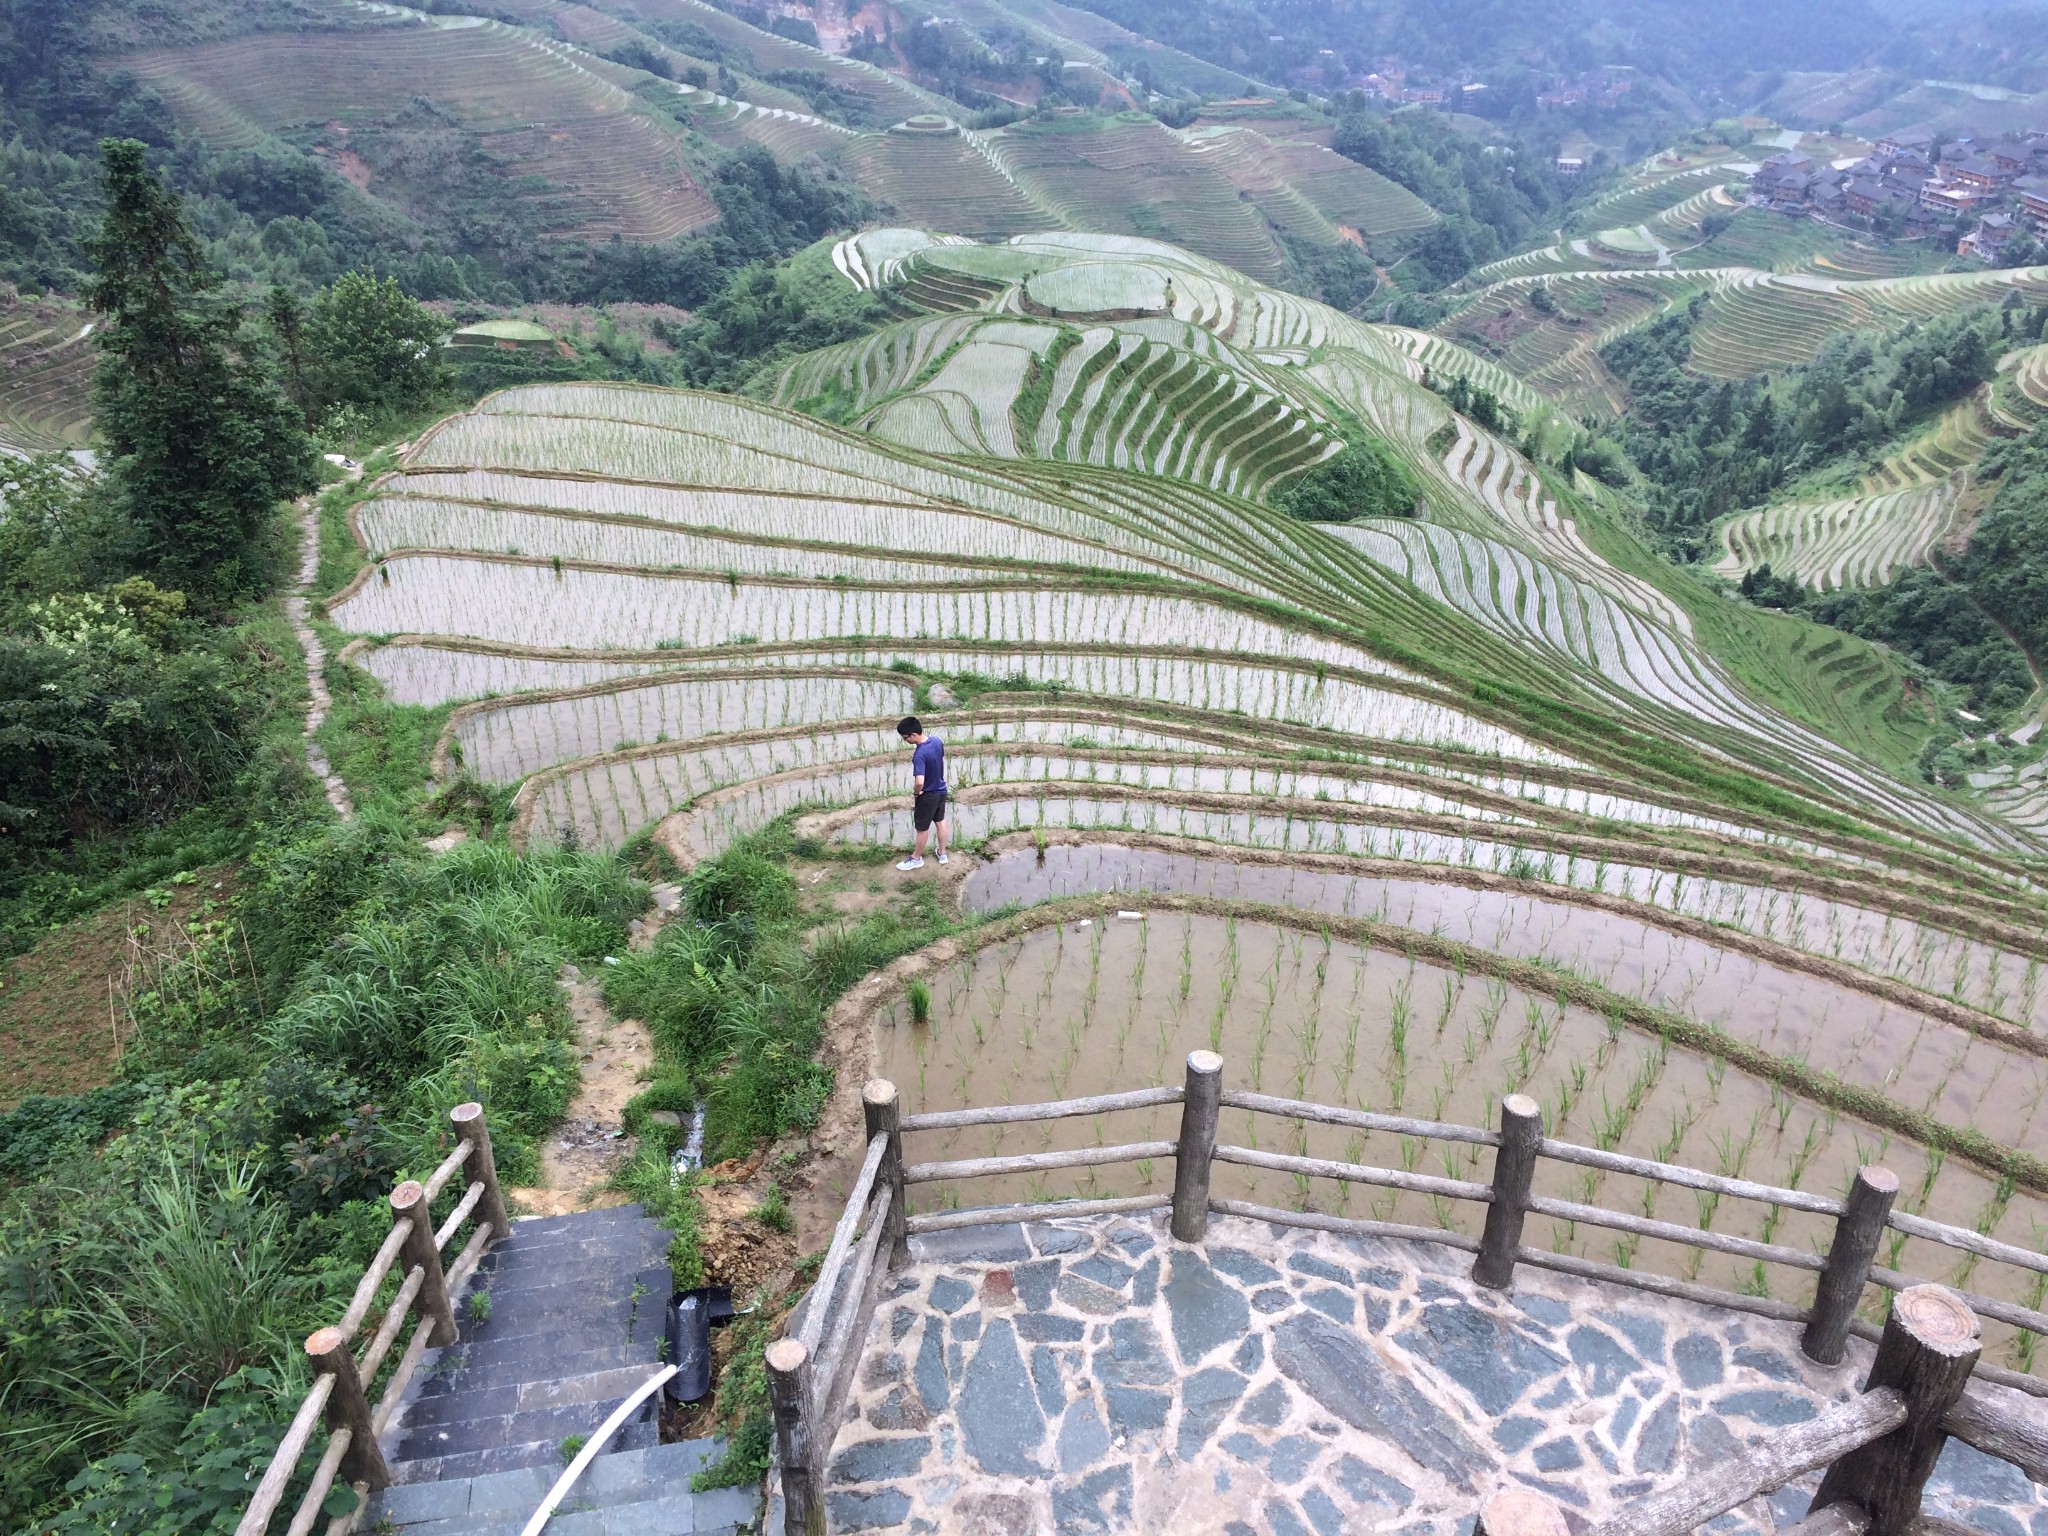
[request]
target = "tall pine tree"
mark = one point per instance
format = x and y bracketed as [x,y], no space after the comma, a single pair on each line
[200,446]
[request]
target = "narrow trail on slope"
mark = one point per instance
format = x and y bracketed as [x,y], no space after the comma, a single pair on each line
[297,607]
[615,1059]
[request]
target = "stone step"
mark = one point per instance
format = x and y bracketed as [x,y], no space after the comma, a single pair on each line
[508,1458]
[609,1265]
[485,1430]
[459,1371]
[556,1390]
[645,1490]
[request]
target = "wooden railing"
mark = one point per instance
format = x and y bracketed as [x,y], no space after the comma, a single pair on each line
[339,1398]
[807,1387]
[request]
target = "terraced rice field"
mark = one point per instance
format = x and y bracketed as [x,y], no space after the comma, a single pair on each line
[1647,196]
[1162,397]
[1861,541]
[1758,321]
[46,363]
[1338,1014]
[610,164]
[934,173]
[1310,190]
[1425,793]
[1905,508]
[1135,176]
[883,97]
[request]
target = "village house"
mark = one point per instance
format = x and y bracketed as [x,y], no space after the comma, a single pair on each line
[2033,191]
[1988,240]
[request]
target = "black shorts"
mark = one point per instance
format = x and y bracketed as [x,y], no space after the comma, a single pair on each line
[930,807]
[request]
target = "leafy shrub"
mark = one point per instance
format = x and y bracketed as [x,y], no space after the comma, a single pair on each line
[1365,480]
[352,1163]
[43,1128]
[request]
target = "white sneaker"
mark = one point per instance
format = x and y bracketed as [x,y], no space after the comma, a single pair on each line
[942,858]
[913,862]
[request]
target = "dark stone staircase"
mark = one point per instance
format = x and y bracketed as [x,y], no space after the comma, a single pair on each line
[575,1323]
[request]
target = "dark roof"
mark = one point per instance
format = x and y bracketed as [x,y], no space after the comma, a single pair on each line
[1996,223]
[2037,185]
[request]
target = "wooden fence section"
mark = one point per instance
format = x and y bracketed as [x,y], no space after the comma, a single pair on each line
[1874,1472]
[340,1395]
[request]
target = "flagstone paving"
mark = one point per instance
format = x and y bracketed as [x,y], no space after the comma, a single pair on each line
[1095,1376]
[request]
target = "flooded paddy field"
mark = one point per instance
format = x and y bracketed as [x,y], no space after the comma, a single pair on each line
[1065,1009]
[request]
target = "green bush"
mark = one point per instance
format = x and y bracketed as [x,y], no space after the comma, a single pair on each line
[1365,480]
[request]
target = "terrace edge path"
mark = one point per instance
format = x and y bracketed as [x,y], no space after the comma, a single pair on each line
[297,607]
[1093,1375]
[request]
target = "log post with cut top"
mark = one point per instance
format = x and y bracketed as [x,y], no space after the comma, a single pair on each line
[348,1407]
[1926,1353]
[1857,1232]
[882,1108]
[1514,1170]
[1199,1112]
[468,1120]
[409,1206]
[789,1397]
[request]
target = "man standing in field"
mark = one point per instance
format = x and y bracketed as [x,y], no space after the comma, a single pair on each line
[928,788]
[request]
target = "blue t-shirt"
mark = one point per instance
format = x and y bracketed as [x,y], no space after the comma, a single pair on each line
[930,760]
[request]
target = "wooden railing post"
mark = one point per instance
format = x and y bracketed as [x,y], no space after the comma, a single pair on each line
[348,1407]
[409,1205]
[1858,1231]
[883,1109]
[789,1396]
[1927,1351]
[1199,1112]
[468,1120]
[1514,1170]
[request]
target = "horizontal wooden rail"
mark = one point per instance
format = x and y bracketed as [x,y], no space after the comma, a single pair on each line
[424,1295]
[850,1319]
[1041,1210]
[270,1491]
[438,1179]
[810,1374]
[1059,1109]
[1690,1178]
[394,1319]
[1970,1242]
[373,1279]
[314,1504]
[1358,1119]
[1036,1162]
[1660,1285]
[1355,1173]
[459,1215]
[826,1286]
[1674,1232]
[1348,1226]
[1787,1453]
[1994,1430]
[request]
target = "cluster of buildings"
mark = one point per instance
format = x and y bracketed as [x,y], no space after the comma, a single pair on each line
[1605,89]
[1915,184]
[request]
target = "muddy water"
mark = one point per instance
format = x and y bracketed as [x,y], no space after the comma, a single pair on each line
[2007,986]
[1070,1010]
[1923,1063]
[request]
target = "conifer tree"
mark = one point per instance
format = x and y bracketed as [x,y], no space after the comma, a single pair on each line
[199,445]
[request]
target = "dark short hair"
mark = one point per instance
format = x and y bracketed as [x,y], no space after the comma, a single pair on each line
[909,725]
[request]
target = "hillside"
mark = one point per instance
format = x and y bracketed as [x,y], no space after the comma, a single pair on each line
[1496,735]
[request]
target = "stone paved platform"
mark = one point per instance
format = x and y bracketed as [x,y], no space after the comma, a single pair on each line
[1095,1376]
